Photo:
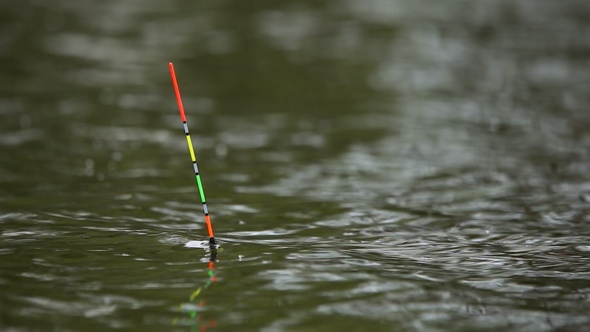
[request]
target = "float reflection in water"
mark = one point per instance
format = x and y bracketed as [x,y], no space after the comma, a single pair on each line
[195,307]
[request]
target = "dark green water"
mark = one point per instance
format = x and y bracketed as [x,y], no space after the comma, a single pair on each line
[369,165]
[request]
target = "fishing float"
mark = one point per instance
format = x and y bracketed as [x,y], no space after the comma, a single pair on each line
[212,242]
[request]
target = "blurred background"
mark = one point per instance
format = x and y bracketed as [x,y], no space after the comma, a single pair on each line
[369,165]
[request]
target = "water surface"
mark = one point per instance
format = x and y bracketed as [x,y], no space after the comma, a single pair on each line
[369,166]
